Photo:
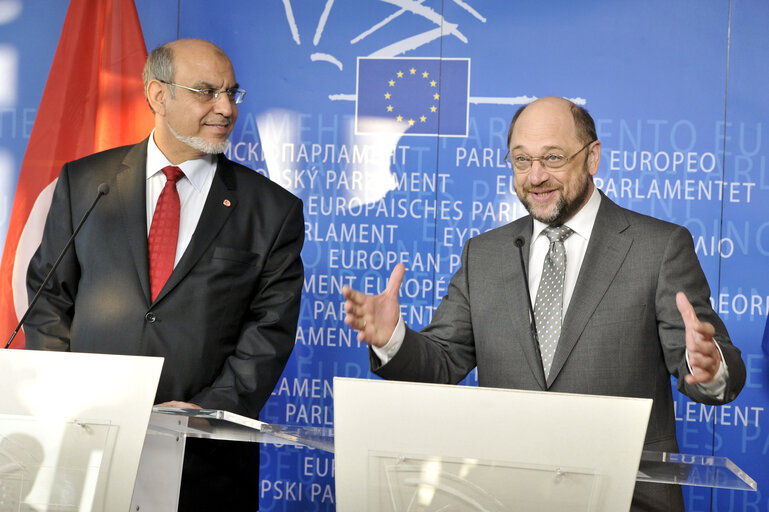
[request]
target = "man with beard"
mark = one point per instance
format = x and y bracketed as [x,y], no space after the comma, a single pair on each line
[190,257]
[624,303]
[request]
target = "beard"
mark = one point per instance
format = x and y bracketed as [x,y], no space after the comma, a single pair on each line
[563,209]
[200,144]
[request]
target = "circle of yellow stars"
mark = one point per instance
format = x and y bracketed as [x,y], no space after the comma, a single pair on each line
[389,95]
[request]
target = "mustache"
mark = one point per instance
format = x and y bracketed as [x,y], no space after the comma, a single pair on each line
[542,188]
[219,119]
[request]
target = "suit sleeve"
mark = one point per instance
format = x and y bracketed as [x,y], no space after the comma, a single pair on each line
[269,331]
[48,325]
[681,271]
[444,351]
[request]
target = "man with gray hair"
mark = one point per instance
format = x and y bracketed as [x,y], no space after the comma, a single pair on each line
[190,257]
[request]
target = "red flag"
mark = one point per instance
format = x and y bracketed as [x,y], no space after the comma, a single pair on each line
[93,100]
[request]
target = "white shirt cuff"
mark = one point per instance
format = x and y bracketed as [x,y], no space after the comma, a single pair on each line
[389,350]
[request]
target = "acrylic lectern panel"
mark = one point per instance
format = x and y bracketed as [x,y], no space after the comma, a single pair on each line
[695,470]
[400,445]
[160,469]
[228,426]
[399,483]
[72,428]
[31,478]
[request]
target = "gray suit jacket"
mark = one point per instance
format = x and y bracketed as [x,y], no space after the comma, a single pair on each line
[622,334]
[225,322]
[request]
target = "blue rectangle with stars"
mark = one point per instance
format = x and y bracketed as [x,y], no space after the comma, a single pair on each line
[413,96]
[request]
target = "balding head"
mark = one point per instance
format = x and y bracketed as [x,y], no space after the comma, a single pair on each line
[582,122]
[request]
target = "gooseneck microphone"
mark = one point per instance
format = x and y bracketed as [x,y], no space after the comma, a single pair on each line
[103,190]
[519,243]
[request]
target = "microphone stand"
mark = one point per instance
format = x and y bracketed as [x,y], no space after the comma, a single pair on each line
[102,191]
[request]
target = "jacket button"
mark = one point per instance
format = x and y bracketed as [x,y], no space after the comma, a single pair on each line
[150,317]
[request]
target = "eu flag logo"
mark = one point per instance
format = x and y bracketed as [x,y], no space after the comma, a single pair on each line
[413,96]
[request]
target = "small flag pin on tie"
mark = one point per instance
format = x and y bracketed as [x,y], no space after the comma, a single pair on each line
[227,203]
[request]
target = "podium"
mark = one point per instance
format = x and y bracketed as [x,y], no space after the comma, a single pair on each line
[404,446]
[73,427]
[375,471]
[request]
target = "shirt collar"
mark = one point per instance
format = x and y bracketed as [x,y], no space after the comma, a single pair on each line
[196,171]
[581,223]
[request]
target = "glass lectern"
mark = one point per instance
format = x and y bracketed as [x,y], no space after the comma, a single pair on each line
[394,478]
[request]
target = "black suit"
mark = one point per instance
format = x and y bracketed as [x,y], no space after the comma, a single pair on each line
[225,322]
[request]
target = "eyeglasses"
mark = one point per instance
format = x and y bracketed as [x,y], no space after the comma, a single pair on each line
[210,95]
[523,163]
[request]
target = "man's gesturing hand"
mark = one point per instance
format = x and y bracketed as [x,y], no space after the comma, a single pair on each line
[704,357]
[375,316]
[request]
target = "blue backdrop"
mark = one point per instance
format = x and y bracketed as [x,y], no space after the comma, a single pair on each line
[678,90]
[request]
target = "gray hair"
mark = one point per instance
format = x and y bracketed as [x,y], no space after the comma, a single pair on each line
[159,66]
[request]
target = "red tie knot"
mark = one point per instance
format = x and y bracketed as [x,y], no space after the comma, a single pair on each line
[173,173]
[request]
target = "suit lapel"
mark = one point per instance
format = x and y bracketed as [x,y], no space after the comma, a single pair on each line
[606,251]
[516,295]
[221,201]
[132,196]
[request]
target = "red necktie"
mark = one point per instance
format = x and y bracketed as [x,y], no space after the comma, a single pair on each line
[164,232]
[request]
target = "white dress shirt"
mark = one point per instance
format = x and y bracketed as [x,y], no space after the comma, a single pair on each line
[193,190]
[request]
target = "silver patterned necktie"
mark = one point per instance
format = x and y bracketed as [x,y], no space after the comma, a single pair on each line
[549,304]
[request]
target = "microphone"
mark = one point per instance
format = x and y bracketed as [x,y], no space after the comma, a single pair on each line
[103,190]
[519,243]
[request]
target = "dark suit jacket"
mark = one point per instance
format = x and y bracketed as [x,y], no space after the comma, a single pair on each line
[225,322]
[622,334]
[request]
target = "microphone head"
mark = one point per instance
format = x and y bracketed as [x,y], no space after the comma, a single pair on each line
[103,189]
[519,242]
